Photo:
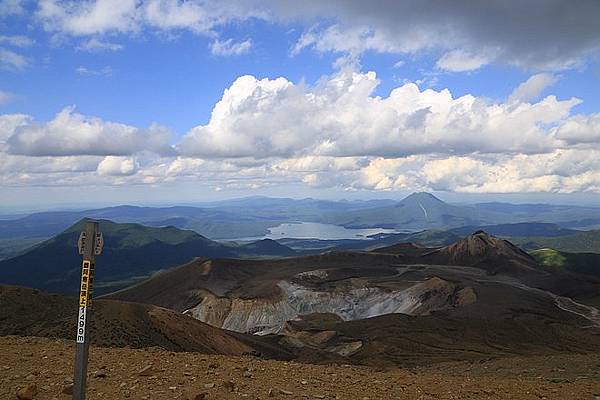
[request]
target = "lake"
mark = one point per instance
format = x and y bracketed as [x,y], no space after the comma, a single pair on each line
[313,230]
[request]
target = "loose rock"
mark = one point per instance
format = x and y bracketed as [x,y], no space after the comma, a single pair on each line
[67,389]
[146,371]
[28,392]
[101,373]
[229,385]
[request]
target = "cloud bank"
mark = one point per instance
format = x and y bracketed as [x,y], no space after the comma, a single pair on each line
[544,35]
[341,117]
[464,35]
[335,134]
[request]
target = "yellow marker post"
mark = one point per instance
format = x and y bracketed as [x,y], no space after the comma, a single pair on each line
[90,245]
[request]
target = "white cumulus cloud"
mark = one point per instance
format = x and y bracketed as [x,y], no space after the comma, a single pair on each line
[88,17]
[532,87]
[461,61]
[580,129]
[70,133]
[335,134]
[117,166]
[341,117]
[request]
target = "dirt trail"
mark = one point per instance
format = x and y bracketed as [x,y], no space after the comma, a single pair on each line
[592,314]
[115,374]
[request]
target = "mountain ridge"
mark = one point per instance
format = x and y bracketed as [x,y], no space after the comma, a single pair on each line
[419,210]
[132,251]
[252,217]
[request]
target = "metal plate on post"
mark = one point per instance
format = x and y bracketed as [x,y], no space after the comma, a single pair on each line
[99,244]
[81,242]
[81,325]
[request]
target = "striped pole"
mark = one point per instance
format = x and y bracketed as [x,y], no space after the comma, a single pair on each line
[90,245]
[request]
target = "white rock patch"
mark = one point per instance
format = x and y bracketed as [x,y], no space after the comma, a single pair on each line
[263,316]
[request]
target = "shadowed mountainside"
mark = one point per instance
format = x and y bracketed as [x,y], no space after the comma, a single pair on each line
[131,253]
[29,312]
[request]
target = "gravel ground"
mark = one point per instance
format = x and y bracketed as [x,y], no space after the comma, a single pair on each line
[122,373]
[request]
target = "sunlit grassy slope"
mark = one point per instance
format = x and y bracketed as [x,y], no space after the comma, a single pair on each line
[583,263]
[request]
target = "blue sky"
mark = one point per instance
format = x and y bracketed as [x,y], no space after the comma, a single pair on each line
[117,97]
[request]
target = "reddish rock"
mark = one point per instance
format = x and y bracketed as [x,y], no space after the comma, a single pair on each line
[28,392]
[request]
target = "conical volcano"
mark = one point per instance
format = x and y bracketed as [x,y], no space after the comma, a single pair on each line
[484,251]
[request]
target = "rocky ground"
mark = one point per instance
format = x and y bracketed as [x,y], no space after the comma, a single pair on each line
[122,373]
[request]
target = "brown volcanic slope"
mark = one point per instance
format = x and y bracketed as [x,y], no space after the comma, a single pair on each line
[486,252]
[181,287]
[500,257]
[353,306]
[479,250]
[29,312]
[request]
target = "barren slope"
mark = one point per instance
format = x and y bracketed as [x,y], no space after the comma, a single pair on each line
[48,364]
[28,312]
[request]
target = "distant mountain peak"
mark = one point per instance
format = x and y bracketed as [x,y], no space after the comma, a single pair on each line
[421,196]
